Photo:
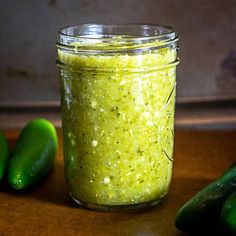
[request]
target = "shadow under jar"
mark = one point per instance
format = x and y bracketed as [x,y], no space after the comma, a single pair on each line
[118,86]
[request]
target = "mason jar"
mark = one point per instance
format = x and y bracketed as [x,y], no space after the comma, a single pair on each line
[118,86]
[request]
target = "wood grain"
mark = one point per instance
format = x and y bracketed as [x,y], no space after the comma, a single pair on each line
[46,209]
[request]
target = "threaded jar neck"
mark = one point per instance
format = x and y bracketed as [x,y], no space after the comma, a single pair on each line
[107,41]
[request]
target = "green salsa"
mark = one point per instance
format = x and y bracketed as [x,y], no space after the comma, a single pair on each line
[118,118]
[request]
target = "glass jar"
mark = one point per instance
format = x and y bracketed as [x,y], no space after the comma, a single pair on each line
[118,86]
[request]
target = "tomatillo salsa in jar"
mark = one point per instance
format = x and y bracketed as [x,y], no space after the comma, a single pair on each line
[118,86]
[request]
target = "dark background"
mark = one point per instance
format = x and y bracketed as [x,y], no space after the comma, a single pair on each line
[207,30]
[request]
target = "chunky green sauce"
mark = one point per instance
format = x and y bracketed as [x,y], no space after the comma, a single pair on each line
[118,118]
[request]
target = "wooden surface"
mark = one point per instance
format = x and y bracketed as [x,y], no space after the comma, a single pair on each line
[200,156]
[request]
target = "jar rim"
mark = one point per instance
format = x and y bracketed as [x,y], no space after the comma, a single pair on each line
[159,31]
[115,38]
